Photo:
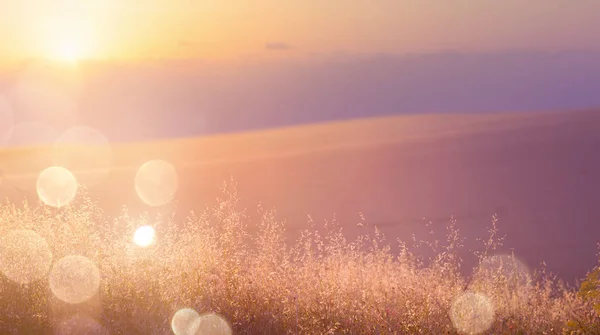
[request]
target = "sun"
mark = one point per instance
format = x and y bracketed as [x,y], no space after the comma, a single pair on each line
[69,53]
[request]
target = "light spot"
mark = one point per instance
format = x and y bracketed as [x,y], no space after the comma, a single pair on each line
[185,322]
[74,279]
[21,170]
[213,324]
[47,93]
[56,186]
[505,279]
[86,153]
[31,133]
[68,52]
[24,256]
[144,236]
[80,325]
[156,182]
[472,313]
[7,120]
[506,268]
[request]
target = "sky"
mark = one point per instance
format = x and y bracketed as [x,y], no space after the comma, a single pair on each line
[141,70]
[215,29]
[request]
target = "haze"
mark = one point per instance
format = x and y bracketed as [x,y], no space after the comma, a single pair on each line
[158,29]
[127,129]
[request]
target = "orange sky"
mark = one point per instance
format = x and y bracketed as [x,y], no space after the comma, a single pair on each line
[150,29]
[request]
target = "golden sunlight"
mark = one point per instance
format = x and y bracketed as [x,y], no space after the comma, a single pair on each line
[156,182]
[69,53]
[80,324]
[86,152]
[185,321]
[74,279]
[25,256]
[144,236]
[472,313]
[213,324]
[56,186]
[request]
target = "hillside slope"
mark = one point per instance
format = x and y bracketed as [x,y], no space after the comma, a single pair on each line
[538,171]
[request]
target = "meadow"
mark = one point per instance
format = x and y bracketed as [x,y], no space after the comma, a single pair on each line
[260,283]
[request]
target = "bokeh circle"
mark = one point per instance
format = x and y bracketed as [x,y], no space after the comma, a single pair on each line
[185,322]
[79,325]
[74,279]
[56,186]
[472,313]
[24,256]
[7,120]
[213,324]
[156,182]
[86,152]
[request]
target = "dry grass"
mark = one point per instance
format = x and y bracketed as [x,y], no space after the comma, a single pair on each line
[263,284]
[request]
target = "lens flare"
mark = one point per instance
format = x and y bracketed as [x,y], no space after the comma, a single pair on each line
[507,268]
[68,53]
[144,236]
[56,186]
[156,182]
[86,153]
[7,120]
[24,256]
[472,313]
[74,279]
[213,324]
[30,133]
[185,322]
[505,279]
[19,168]
[47,93]
[80,324]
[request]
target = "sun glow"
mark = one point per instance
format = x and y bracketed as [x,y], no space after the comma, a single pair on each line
[69,53]
[144,236]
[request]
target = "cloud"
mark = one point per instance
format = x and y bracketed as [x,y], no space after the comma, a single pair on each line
[277,46]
